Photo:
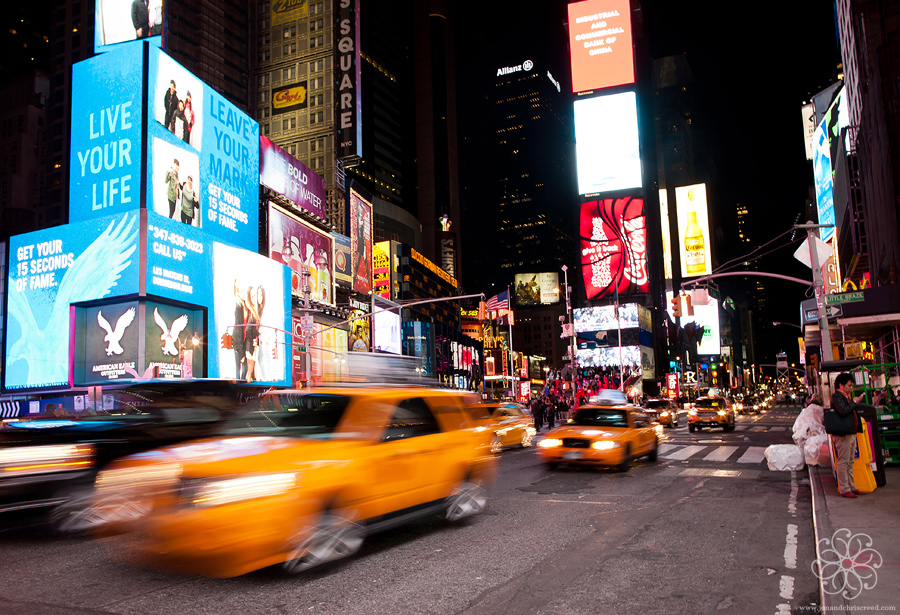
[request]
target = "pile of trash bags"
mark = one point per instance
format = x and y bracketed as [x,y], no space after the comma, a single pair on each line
[810,436]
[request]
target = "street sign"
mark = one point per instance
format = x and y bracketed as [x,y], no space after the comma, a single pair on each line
[568,330]
[837,298]
[690,377]
[831,311]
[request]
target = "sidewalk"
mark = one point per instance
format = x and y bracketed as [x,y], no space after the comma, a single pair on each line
[866,585]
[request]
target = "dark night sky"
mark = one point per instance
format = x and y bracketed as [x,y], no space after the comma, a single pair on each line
[754,67]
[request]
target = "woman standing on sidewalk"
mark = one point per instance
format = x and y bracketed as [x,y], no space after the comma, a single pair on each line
[845,446]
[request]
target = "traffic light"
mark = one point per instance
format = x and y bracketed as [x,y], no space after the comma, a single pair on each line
[688,306]
[676,306]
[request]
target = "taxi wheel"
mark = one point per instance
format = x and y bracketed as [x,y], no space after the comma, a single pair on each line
[467,498]
[551,465]
[626,459]
[691,428]
[81,512]
[526,438]
[334,536]
[654,453]
[496,444]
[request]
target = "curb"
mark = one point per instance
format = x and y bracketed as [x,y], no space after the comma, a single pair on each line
[823,530]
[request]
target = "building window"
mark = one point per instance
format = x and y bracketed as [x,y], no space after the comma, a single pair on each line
[262,80]
[263,55]
[317,145]
[288,73]
[262,8]
[289,32]
[317,66]
[263,39]
[264,96]
[316,41]
[265,129]
[289,49]
[289,124]
[263,24]
[316,24]
[315,84]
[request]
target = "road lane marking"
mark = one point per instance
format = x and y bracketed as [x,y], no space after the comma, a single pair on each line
[757,428]
[754,454]
[786,587]
[721,453]
[665,448]
[790,547]
[684,453]
[779,428]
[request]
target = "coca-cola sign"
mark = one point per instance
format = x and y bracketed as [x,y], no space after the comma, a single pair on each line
[614,247]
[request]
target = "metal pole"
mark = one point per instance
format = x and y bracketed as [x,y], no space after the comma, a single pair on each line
[819,285]
[619,325]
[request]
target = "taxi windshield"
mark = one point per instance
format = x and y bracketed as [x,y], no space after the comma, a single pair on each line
[602,417]
[293,415]
[657,403]
[710,403]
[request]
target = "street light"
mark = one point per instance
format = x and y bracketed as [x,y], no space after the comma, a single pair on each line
[789,324]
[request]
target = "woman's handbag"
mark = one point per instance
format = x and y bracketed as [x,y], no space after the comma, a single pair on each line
[837,425]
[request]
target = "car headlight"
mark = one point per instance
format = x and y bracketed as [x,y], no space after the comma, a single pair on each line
[756,406]
[692,412]
[228,491]
[721,413]
[664,413]
[550,443]
[605,445]
[138,476]
[20,460]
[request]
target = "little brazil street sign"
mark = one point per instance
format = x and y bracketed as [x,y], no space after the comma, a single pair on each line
[843,298]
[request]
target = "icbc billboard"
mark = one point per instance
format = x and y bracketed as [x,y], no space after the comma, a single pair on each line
[600,44]
[614,247]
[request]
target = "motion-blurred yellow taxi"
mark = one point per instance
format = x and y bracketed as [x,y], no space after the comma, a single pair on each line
[711,412]
[609,432]
[509,423]
[301,477]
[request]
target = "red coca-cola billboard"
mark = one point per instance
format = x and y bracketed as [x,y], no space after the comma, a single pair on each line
[614,247]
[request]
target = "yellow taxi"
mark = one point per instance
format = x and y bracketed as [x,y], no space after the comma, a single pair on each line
[608,432]
[299,478]
[510,423]
[711,412]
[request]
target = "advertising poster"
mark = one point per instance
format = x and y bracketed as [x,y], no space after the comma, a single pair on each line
[693,231]
[824,151]
[614,247]
[48,271]
[360,336]
[288,176]
[607,149]
[252,302]
[105,150]
[106,343]
[666,234]
[387,332]
[194,120]
[284,11]
[537,288]
[169,350]
[708,317]
[603,318]
[304,249]
[360,221]
[348,80]
[600,44]
[178,257]
[116,22]
[609,356]
[289,98]
[342,260]
[381,269]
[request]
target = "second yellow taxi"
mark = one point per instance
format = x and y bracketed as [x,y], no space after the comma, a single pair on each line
[510,423]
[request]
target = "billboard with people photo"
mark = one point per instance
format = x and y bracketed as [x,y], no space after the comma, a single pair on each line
[120,21]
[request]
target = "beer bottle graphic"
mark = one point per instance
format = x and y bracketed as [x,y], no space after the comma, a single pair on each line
[694,243]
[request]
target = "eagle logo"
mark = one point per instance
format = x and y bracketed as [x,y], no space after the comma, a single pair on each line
[170,336]
[113,336]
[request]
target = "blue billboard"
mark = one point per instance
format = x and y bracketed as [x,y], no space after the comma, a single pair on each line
[203,156]
[118,21]
[105,154]
[51,269]
[825,149]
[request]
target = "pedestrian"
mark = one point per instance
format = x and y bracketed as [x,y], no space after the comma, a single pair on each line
[537,411]
[845,445]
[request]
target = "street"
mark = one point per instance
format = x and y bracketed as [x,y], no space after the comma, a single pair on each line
[705,529]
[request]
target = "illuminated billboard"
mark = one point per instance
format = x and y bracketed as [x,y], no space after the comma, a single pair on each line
[386,333]
[289,98]
[666,235]
[606,143]
[693,231]
[360,222]
[614,247]
[609,356]
[342,260]
[288,176]
[305,250]
[119,22]
[187,118]
[825,149]
[603,318]
[708,317]
[252,300]
[381,268]
[48,271]
[600,44]
[106,123]
[536,288]
[347,80]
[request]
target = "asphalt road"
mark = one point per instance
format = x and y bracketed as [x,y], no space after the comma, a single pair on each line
[705,529]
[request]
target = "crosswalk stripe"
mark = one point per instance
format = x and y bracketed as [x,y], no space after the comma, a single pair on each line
[779,428]
[721,453]
[754,454]
[684,453]
[740,428]
[665,448]
[757,428]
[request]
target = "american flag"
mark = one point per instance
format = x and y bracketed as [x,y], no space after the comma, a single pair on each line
[498,302]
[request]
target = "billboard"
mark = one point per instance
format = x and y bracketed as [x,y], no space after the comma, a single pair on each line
[342,260]
[190,122]
[614,247]
[603,318]
[381,268]
[600,44]
[537,288]
[386,332]
[666,236]
[607,149]
[289,98]
[252,314]
[119,22]
[106,125]
[285,11]
[347,79]
[178,261]
[708,317]
[48,271]
[609,356]
[825,146]
[693,231]
[360,221]
[305,250]
[286,175]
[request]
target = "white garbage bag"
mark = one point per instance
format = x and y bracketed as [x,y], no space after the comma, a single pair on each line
[784,457]
[812,448]
[810,422]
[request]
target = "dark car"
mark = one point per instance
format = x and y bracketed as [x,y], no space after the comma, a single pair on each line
[50,465]
[662,411]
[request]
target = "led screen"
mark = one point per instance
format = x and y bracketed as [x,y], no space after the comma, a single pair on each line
[288,176]
[360,339]
[48,271]
[252,302]
[178,261]
[825,142]
[606,143]
[600,44]
[609,356]
[666,236]
[603,318]
[708,317]
[360,221]
[381,268]
[106,343]
[614,247]
[342,260]
[215,184]
[387,332]
[537,288]
[693,231]
[305,250]
[105,151]
[118,21]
